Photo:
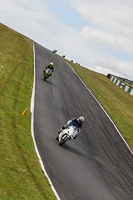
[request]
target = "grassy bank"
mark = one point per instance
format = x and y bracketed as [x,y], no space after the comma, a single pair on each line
[20,171]
[117,102]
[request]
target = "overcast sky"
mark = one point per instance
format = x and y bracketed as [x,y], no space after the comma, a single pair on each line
[97,34]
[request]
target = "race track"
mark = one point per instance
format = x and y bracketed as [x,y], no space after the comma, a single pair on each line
[97,165]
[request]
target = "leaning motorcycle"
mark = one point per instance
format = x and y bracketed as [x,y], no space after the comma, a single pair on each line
[46,74]
[67,134]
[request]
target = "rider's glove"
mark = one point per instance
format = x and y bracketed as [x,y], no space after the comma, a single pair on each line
[69,122]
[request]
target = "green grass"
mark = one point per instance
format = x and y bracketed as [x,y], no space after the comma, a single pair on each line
[117,102]
[20,171]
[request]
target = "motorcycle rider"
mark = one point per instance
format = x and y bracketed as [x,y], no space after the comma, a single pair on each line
[51,67]
[77,122]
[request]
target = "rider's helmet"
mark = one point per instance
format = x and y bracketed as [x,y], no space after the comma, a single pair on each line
[51,64]
[81,119]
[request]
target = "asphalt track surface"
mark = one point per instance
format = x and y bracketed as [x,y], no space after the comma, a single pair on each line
[97,165]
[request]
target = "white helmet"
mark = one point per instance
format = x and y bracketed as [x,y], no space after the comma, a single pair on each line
[81,119]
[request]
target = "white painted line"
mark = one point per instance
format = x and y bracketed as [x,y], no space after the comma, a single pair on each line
[118,82]
[126,88]
[131,92]
[32,126]
[102,109]
[112,78]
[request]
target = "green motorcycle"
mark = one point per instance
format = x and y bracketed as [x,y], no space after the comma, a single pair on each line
[46,74]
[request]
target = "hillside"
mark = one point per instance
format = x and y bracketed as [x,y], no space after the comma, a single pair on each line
[21,174]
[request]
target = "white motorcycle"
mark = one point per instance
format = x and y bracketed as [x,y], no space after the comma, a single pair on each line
[66,134]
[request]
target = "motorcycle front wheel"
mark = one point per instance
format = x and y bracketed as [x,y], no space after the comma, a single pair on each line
[64,138]
[45,77]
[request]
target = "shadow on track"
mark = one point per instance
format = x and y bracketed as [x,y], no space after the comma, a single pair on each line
[78,152]
[48,82]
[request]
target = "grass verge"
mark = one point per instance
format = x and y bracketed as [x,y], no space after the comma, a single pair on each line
[20,171]
[117,102]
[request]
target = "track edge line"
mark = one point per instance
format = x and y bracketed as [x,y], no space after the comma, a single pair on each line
[32,126]
[102,108]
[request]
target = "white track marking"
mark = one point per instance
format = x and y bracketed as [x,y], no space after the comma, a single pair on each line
[32,126]
[102,109]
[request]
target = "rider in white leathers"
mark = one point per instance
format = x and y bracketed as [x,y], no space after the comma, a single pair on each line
[76,122]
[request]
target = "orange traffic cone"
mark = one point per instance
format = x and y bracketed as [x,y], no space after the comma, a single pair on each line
[25,111]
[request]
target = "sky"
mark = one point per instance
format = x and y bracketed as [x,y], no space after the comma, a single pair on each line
[97,34]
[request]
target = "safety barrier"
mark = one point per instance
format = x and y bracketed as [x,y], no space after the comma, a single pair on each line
[120,84]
